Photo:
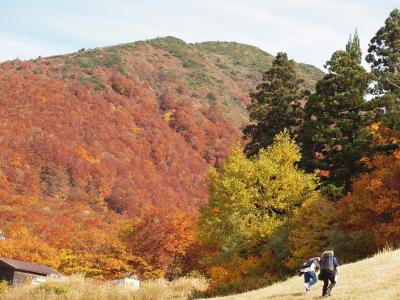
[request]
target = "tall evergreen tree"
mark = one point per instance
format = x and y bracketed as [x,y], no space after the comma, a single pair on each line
[384,57]
[353,47]
[334,137]
[275,106]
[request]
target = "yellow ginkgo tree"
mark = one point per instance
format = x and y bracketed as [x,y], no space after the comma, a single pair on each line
[252,199]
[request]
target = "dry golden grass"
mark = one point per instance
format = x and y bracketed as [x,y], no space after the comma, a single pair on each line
[374,278]
[79,288]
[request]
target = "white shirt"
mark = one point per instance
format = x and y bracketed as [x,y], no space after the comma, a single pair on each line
[311,268]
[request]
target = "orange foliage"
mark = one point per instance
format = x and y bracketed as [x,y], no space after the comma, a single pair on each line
[60,140]
[242,274]
[161,238]
[374,205]
[30,249]
[84,150]
[69,236]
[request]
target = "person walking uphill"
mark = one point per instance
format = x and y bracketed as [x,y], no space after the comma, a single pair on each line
[309,271]
[328,272]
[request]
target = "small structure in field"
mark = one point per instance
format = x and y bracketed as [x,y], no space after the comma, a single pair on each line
[18,272]
[131,283]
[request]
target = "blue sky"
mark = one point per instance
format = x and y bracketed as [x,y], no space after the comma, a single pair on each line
[309,30]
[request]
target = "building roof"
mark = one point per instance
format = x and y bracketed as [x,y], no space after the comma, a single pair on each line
[28,267]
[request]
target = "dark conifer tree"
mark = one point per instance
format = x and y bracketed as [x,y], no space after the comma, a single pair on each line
[384,58]
[334,137]
[275,105]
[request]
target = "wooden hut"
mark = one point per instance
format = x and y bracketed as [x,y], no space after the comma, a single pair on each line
[18,272]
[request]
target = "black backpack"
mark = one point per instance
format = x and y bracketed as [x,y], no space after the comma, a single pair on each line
[327,262]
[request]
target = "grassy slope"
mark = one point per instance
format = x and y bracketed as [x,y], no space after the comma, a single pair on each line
[246,63]
[374,278]
[77,287]
[228,70]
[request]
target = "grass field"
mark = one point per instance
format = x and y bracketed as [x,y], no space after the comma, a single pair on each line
[374,278]
[79,288]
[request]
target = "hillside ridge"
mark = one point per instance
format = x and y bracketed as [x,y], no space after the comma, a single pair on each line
[356,280]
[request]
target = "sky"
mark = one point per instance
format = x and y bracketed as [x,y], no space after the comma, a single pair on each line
[308,30]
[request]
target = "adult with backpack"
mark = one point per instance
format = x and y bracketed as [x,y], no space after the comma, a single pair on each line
[329,271]
[309,270]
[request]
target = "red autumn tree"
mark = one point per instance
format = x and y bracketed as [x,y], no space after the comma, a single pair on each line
[373,208]
[161,238]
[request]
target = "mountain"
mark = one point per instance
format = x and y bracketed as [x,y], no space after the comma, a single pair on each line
[132,126]
[99,141]
[358,280]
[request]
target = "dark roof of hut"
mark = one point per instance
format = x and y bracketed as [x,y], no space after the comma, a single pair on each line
[28,267]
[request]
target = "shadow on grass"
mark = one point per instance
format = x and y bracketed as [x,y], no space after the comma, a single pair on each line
[283,296]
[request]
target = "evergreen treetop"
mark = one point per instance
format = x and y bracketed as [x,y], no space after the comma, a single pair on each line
[334,137]
[384,58]
[275,106]
[353,47]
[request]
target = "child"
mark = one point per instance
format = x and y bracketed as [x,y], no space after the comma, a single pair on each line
[309,271]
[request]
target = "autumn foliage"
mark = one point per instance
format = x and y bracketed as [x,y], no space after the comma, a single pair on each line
[373,209]
[86,148]
[252,201]
[107,155]
[166,250]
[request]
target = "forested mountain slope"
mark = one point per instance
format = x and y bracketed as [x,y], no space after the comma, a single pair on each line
[133,125]
[100,141]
